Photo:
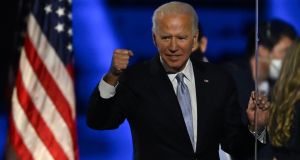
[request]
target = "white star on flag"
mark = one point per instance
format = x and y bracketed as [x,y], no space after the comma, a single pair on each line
[70,16]
[70,32]
[70,47]
[59,27]
[60,12]
[48,9]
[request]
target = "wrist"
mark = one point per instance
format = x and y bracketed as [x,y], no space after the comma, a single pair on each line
[111,78]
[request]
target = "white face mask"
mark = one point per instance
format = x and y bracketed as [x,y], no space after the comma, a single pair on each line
[274,68]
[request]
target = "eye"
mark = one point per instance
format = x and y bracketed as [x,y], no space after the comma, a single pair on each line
[182,37]
[165,37]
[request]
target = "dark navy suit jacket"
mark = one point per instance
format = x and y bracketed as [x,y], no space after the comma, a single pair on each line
[146,98]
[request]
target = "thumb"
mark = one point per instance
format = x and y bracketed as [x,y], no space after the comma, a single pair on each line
[130,53]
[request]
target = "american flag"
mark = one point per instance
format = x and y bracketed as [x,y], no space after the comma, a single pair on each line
[42,121]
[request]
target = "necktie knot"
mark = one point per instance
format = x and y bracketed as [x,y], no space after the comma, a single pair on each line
[179,77]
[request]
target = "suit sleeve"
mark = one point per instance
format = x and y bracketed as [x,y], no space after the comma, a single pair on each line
[108,113]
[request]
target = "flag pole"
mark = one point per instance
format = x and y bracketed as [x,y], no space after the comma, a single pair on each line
[256,78]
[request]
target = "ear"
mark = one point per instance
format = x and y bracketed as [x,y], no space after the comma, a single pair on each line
[203,44]
[195,42]
[154,39]
[263,52]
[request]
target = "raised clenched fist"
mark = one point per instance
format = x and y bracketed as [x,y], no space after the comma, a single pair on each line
[119,63]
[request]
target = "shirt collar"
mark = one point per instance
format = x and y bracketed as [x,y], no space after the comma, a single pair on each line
[187,71]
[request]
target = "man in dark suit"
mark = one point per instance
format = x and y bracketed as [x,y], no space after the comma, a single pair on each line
[173,118]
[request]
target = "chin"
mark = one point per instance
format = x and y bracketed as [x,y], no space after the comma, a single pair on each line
[175,67]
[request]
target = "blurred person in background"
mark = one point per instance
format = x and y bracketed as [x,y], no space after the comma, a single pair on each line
[275,36]
[284,124]
[200,47]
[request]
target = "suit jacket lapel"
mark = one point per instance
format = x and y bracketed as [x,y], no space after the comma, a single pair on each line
[202,89]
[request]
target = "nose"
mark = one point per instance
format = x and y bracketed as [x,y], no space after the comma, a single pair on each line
[173,45]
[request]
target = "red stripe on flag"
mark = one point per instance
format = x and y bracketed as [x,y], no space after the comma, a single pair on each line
[38,122]
[17,142]
[52,89]
[71,71]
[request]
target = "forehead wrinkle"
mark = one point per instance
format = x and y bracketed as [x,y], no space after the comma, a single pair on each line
[179,24]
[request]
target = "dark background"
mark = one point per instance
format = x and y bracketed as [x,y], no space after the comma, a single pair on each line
[100,26]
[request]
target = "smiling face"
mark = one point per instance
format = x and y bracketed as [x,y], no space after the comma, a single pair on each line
[175,39]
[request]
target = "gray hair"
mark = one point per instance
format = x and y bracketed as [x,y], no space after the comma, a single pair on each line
[175,7]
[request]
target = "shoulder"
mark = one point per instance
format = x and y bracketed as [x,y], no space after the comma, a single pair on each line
[218,78]
[213,71]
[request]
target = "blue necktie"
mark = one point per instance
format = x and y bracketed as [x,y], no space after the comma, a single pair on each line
[184,100]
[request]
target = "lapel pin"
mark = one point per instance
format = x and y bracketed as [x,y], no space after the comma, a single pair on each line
[206,81]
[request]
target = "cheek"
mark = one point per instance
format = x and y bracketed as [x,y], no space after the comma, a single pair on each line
[278,54]
[186,46]
[162,47]
[280,51]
